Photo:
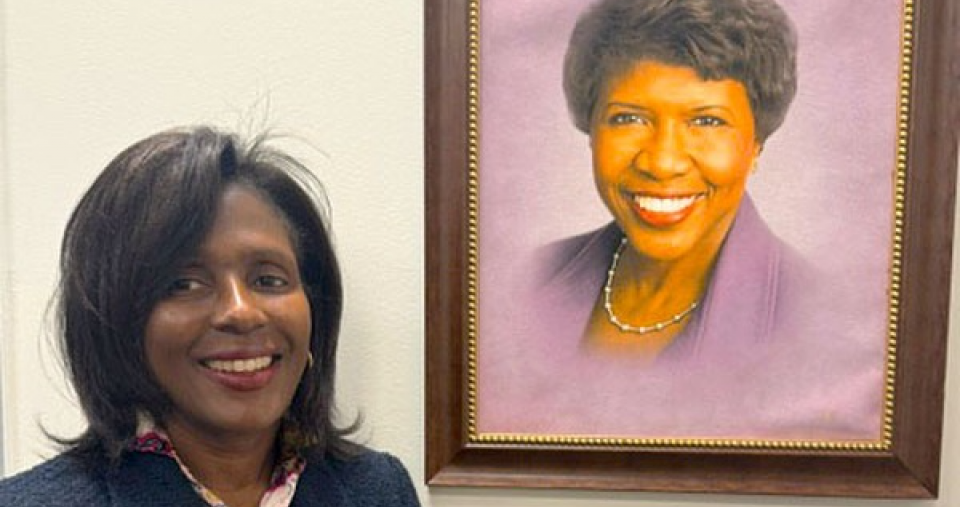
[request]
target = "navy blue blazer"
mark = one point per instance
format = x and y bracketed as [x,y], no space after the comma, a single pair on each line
[149,480]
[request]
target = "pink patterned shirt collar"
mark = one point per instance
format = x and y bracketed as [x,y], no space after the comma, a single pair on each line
[152,439]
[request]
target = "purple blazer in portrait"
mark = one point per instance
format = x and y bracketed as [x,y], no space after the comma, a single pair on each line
[756,360]
[750,300]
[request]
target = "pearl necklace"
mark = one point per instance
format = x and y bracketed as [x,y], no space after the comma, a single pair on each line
[627,328]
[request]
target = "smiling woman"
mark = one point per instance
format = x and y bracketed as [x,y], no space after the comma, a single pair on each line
[199,311]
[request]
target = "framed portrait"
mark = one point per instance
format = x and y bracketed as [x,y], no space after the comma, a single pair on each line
[691,246]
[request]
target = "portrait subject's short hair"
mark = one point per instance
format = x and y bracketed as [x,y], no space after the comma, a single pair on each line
[147,214]
[750,41]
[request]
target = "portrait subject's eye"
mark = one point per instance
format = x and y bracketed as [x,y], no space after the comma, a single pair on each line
[708,121]
[626,119]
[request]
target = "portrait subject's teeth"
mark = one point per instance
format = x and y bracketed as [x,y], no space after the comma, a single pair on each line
[663,205]
[240,365]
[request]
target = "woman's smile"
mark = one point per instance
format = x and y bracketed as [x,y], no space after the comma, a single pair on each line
[664,211]
[240,365]
[241,371]
[242,374]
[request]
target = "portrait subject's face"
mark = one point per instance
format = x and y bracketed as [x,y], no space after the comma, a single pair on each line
[229,341]
[671,157]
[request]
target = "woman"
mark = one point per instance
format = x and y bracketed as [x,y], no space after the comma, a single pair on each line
[678,98]
[199,309]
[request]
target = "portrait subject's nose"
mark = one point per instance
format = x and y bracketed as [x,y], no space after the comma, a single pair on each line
[664,154]
[237,308]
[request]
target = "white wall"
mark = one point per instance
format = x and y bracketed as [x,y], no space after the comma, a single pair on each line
[6,312]
[80,80]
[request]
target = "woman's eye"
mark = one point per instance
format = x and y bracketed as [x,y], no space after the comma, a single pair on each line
[183,285]
[271,282]
[626,119]
[708,121]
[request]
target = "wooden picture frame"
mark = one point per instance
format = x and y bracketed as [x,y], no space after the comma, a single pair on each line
[904,464]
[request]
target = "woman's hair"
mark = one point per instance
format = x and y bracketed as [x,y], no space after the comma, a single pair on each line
[143,217]
[750,41]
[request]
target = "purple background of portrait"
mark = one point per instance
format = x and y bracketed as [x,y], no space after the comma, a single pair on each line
[824,182]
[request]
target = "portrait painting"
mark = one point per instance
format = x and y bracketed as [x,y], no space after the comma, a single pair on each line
[685,221]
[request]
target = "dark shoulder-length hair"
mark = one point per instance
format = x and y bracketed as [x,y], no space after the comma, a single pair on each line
[750,41]
[142,218]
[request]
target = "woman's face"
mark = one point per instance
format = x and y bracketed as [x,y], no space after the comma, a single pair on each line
[229,342]
[671,156]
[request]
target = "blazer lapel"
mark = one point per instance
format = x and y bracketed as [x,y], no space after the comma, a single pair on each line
[318,487]
[150,480]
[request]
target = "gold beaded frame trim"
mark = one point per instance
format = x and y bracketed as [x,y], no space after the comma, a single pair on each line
[885,443]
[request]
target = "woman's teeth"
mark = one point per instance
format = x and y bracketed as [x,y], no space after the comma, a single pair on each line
[662,204]
[239,365]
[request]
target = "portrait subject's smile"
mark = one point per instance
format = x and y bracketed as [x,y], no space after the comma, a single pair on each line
[663,211]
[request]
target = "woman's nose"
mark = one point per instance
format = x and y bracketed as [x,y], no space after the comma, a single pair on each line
[664,155]
[237,309]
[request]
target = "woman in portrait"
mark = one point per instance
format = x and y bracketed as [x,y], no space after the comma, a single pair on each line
[678,99]
[198,315]
[685,316]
